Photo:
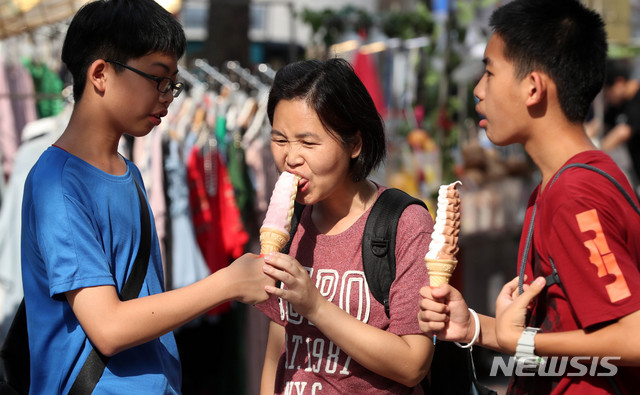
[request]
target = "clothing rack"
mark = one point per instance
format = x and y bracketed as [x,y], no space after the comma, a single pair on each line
[23,19]
[215,74]
[267,71]
[37,96]
[246,75]
[191,79]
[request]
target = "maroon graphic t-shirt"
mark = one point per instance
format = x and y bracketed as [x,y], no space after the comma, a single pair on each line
[310,363]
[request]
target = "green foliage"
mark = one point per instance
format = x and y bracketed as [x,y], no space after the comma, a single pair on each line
[328,24]
[408,24]
[617,51]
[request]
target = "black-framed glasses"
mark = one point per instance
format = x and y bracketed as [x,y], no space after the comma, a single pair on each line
[164,84]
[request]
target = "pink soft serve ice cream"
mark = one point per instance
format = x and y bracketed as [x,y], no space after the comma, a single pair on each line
[274,233]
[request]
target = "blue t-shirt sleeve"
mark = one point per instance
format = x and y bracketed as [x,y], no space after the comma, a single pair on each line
[74,257]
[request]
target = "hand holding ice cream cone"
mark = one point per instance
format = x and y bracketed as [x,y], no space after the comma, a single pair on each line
[441,258]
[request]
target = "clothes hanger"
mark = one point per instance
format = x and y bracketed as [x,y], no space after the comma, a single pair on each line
[216,75]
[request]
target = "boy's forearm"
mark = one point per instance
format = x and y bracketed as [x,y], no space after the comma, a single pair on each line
[114,326]
[617,339]
[487,337]
[169,310]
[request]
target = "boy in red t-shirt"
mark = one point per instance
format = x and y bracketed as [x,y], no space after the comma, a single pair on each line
[545,63]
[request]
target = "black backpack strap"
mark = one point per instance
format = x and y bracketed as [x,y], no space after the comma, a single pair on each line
[94,366]
[15,353]
[379,241]
[604,174]
[554,277]
[133,285]
[295,220]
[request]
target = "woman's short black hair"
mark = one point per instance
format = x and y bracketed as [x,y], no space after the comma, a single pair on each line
[341,101]
[118,30]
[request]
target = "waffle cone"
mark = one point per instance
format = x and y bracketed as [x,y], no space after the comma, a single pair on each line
[440,270]
[272,240]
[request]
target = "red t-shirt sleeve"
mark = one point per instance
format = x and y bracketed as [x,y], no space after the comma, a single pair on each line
[598,272]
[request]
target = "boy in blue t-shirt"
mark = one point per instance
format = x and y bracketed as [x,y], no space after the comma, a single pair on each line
[81,215]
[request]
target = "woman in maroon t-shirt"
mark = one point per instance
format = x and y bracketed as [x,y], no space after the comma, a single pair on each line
[328,334]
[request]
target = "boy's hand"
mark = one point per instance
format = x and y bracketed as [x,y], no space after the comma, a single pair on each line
[511,311]
[444,312]
[251,280]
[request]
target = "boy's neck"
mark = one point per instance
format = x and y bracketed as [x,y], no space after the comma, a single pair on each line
[552,147]
[93,142]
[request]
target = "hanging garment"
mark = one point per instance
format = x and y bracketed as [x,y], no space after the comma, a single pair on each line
[2,188]
[365,67]
[46,131]
[23,100]
[147,155]
[216,218]
[47,83]
[9,139]
[187,263]
[242,185]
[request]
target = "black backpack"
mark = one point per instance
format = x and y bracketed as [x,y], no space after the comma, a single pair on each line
[452,371]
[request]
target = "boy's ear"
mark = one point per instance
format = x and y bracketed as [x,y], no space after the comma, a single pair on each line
[357,146]
[537,88]
[96,75]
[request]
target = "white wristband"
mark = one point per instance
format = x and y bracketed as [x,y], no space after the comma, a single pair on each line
[476,334]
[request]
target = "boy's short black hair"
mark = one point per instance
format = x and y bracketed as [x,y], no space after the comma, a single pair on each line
[561,38]
[342,103]
[118,30]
